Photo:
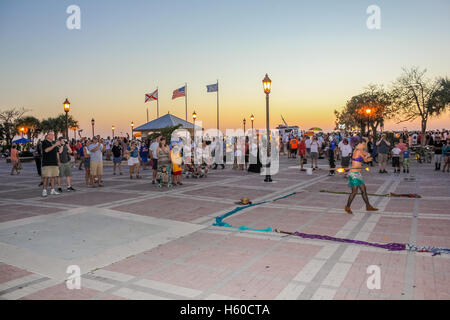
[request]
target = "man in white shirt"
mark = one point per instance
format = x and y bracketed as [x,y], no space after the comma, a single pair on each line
[154,156]
[308,145]
[346,150]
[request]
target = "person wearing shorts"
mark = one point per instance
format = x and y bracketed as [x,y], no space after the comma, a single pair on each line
[314,153]
[383,151]
[96,150]
[293,147]
[64,165]
[133,159]
[50,168]
[117,156]
[396,151]
[175,156]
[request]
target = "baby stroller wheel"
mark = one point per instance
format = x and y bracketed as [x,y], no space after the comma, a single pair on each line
[169,185]
[159,185]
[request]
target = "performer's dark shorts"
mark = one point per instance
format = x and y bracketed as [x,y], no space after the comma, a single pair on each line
[155,164]
[396,161]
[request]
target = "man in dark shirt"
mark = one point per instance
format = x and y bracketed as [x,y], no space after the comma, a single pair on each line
[50,168]
[437,145]
[383,150]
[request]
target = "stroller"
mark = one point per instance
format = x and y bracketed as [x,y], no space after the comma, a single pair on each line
[164,176]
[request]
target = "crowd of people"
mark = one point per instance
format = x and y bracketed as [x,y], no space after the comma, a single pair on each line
[339,147]
[56,158]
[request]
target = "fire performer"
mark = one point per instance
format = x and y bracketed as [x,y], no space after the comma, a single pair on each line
[355,179]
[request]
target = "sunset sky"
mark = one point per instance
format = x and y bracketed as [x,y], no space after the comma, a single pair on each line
[317,53]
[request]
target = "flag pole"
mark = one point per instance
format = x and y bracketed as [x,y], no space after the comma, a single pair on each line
[147,114]
[157,104]
[185,98]
[217,106]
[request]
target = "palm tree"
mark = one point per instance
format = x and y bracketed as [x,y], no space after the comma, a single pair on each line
[32,124]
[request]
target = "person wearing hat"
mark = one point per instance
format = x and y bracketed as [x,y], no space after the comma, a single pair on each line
[96,152]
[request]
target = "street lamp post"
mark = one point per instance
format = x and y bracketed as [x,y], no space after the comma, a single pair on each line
[132,126]
[368,113]
[113,131]
[252,117]
[194,116]
[66,110]
[93,123]
[22,131]
[267,84]
[244,121]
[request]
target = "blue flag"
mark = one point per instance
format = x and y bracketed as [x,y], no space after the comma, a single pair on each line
[213,87]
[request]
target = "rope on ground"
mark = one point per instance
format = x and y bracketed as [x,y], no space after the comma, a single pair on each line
[220,223]
[389,246]
[394,195]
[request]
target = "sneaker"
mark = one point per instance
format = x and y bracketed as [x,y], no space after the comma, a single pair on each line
[70,189]
[44,193]
[53,192]
[60,190]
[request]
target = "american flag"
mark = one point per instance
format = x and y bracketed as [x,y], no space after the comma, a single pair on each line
[151,96]
[179,93]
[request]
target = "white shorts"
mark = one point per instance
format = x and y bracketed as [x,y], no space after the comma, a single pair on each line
[132,161]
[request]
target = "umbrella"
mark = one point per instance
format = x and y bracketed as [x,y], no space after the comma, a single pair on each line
[22,140]
[315,129]
[309,133]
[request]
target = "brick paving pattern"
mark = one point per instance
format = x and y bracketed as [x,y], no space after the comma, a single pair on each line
[135,241]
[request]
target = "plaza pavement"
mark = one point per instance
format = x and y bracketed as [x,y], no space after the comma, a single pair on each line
[132,240]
